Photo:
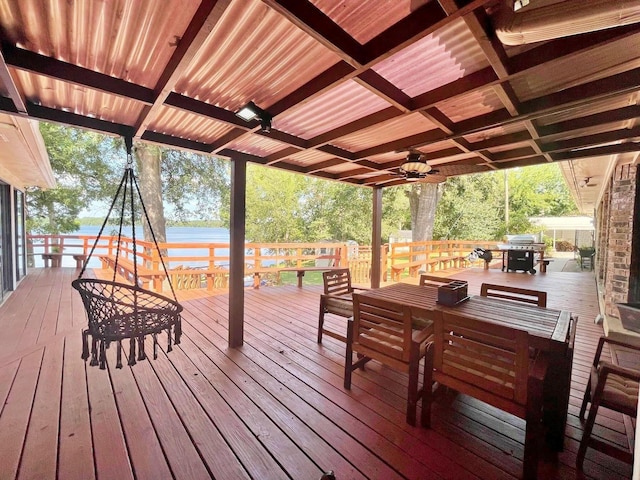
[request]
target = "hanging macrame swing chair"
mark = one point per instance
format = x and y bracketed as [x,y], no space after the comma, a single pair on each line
[117,311]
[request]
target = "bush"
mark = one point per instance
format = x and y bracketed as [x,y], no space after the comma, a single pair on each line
[564,246]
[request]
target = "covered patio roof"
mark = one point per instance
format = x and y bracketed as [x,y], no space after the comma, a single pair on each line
[352,86]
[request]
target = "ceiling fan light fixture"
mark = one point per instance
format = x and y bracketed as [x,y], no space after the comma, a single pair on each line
[415,168]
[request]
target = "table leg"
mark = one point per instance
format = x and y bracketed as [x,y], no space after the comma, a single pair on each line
[556,390]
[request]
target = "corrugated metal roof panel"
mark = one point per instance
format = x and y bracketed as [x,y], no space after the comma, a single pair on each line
[256,145]
[393,129]
[365,20]
[131,40]
[172,121]
[471,105]
[250,56]
[495,132]
[437,59]
[387,157]
[309,157]
[511,146]
[586,66]
[589,109]
[585,132]
[343,104]
[343,168]
[77,99]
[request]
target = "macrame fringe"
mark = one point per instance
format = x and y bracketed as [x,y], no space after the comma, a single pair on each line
[94,352]
[178,331]
[141,354]
[103,355]
[98,353]
[85,345]
[119,354]
[132,352]
[155,346]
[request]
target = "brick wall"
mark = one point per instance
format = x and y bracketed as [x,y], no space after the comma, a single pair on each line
[617,258]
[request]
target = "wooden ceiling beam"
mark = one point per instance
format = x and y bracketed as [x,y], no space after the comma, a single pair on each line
[58,70]
[610,116]
[201,27]
[355,126]
[76,120]
[325,31]
[589,140]
[183,143]
[566,46]
[379,85]
[316,167]
[418,24]
[276,157]
[10,86]
[597,151]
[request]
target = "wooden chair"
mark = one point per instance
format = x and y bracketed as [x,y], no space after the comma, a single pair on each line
[337,299]
[432,279]
[491,363]
[506,292]
[610,386]
[382,331]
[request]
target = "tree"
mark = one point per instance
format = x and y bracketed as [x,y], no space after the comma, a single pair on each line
[88,166]
[82,163]
[471,207]
[149,160]
[423,200]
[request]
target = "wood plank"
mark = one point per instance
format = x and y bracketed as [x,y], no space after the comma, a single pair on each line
[109,447]
[75,458]
[40,453]
[16,412]
[145,451]
[181,453]
[204,432]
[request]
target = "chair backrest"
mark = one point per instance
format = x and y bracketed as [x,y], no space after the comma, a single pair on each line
[506,292]
[482,359]
[432,279]
[337,282]
[382,330]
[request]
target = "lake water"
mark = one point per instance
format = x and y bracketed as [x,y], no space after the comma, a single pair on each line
[174,234]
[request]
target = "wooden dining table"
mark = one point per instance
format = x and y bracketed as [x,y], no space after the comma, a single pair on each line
[549,334]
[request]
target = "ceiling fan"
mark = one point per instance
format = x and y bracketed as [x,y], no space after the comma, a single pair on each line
[415,167]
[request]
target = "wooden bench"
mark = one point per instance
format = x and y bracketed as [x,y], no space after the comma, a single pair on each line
[429,265]
[126,270]
[300,271]
[56,259]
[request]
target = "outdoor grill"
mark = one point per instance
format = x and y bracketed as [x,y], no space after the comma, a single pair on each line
[519,253]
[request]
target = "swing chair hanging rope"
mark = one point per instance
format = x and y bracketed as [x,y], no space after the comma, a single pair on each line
[117,311]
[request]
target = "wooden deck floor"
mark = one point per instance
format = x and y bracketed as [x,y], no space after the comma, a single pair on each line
[273,409]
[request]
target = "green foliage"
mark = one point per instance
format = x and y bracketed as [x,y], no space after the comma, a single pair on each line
[194,186]
[83,167]
[473,206]
[88,167]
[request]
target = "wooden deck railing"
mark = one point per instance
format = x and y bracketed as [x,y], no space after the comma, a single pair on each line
[430,256]
[198,265]
[195,265]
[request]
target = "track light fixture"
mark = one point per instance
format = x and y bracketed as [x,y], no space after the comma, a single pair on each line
[251,111]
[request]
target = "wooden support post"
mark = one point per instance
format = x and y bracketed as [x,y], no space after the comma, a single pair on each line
[236,252]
